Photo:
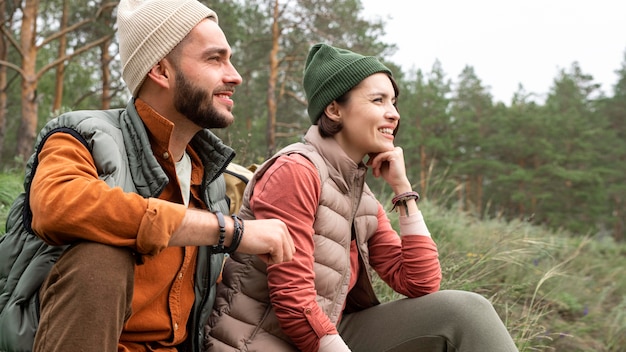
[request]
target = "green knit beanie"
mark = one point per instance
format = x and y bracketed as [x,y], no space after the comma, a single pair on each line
[330,72]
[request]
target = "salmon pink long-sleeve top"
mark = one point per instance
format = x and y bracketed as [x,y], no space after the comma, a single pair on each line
[290,191]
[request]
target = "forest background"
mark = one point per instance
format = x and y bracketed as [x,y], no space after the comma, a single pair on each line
[545,178]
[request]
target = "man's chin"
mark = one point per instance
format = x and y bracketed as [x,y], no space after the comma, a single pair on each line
[229,119]
[224,121]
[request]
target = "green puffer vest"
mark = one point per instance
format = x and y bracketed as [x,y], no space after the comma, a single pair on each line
[119,144]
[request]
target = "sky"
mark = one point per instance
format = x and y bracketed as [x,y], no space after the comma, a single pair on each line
[507,42]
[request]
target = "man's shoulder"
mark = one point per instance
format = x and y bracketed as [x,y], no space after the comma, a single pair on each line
[110,115]
[86,120]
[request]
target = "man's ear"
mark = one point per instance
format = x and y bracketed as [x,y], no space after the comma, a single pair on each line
[333,111]
[161,73]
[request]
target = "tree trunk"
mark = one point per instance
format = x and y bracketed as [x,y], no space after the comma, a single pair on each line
[271,84]
[3,83]
[618,228]
[423,170]
[459,193]
[28,123]
[479,194]
[105,59]
[60,72]
[468,193]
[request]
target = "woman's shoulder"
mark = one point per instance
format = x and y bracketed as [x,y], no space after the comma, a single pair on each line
[295,162]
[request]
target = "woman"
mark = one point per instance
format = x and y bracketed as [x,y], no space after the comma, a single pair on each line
[323,299]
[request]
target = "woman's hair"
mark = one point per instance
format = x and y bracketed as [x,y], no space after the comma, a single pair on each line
[328,127]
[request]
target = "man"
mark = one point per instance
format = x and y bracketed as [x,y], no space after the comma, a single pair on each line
[128,190]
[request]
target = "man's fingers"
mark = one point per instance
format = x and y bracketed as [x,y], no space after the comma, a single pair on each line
[270,240]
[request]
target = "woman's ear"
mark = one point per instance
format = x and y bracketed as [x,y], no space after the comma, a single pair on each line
[333,111]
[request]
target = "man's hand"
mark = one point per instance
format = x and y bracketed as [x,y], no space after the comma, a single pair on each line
[269,239]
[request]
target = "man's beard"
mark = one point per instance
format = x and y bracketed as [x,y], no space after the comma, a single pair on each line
[197,105]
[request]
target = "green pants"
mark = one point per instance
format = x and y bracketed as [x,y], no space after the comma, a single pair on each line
[443,321]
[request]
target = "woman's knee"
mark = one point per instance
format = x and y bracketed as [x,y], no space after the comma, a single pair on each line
[466,298]
[474,322]
[464,306]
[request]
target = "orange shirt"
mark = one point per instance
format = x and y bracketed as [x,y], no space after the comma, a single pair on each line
[69,204]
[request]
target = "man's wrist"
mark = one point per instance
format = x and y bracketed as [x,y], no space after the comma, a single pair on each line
[238,229]
[222,232]
[235,235]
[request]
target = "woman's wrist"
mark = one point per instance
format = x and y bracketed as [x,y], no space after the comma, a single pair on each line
[402,188]
[405,202]
[333,343]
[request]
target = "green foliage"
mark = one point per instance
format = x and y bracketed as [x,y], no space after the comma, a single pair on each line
[558,162]
[554,292]
[82,84]
[10,187]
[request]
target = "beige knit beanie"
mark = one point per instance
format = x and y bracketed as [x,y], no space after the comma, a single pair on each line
[149,29]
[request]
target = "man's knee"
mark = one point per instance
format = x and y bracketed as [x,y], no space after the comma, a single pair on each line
[97,270]
[87,297]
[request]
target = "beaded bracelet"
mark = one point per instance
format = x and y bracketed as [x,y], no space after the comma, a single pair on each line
[237,234]
[401,199]
[222,224]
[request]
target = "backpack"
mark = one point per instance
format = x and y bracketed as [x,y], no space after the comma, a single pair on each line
[27,260]
[237,177]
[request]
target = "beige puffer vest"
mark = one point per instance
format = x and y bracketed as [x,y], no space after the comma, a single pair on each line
[243,317]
